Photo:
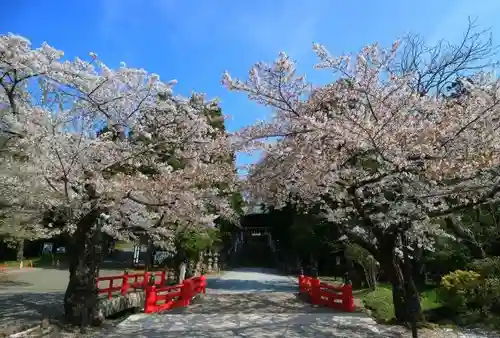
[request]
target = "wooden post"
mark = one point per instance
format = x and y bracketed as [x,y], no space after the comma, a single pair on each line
[186,292]
[315,291]
[347,298]
[125,285]
[146,278]
[163,277]
[315,287]
[203,284]
[150,304]
[110,293]
[301,281]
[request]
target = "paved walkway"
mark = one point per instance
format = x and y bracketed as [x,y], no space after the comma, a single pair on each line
[251,303]
[29,295]
[241,303]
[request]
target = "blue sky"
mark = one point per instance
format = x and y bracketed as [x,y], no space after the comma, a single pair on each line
[195,41]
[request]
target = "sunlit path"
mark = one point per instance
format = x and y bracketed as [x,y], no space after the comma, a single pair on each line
[248,302]
[250,280]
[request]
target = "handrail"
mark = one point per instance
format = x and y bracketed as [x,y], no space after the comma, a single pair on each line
[159,297]
[322,293]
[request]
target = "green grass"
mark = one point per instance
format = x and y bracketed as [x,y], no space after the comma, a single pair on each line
[379,301]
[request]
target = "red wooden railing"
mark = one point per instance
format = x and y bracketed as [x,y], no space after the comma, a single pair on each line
[337,297]
[129,281]
[159,297]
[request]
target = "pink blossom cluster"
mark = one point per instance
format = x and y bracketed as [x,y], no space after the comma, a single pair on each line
[369,146]
[70,129]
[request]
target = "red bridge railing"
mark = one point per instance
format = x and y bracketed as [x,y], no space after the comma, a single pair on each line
[336,297]
[169,297]
[159,297]
[122,284]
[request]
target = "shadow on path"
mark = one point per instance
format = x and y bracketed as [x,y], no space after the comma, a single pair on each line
[262,325]
[9,282]
[256,303]
[28,309]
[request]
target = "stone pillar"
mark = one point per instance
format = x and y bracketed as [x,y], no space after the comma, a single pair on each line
[209,267]
[216,262]
[199,264]
[182,271]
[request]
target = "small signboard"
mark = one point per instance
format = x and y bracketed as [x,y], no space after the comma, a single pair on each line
[47,248]
[137,252]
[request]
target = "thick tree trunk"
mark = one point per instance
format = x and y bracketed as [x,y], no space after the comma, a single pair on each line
[391,265]
[20,252]
[400,287]
[412,299]
[398,292]
[85,256]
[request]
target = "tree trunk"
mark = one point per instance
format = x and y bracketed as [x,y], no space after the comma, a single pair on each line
[391,265]
[371,276]
[85,256]
[398,293]
[20,252]
[412,298]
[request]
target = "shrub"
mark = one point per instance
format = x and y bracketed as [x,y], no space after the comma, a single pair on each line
[464,291]
[487,295]
[486,267]
[458,288]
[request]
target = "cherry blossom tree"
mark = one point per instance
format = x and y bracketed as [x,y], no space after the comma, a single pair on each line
[97,147]
[382,159]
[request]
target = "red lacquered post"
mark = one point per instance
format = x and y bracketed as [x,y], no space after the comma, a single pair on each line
[307,285]
[302,286]
[163,276]
[186,292]
[125,284]
[315,287]
[145,280]
[347,298]
[110,286]
[150,304]
[203,284]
